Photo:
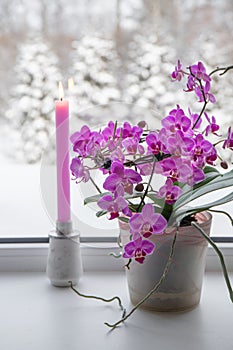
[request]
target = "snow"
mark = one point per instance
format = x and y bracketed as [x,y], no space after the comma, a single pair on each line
[22,213]
[32,98]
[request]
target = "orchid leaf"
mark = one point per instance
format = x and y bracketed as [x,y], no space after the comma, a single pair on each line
[124,219]
[209,176]
[101,213]
[210,169]
[95,198]
[157,201]
[223,181]
[180,214]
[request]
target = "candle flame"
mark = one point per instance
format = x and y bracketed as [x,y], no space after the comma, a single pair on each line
[60,90]
[70,84]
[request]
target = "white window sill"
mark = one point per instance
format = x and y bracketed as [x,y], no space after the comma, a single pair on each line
[36,315]
[95,256]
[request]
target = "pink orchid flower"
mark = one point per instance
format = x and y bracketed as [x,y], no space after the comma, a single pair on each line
[147,222]
[79,171]
[169,191]
[115,204]
[120,175]
[138,249]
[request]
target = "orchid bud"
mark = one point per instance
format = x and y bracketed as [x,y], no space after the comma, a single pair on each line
[142,124]
[224,165]
[139,187]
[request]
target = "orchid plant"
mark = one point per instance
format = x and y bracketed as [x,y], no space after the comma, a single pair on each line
[184,152]
[129,156]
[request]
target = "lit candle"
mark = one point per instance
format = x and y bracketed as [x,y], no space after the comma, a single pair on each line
[62,152]
[70,84]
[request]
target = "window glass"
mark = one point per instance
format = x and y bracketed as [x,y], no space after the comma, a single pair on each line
[122,50]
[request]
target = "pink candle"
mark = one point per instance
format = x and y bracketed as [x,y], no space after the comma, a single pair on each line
[62,152]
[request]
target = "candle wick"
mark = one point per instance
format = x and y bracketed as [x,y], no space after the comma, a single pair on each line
[61,99]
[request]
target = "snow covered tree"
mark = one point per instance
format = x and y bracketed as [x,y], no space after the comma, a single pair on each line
[218,52]
[31,107]
[95,63]
[147,83]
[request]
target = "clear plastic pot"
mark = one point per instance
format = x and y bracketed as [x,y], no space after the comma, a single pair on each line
[181,288]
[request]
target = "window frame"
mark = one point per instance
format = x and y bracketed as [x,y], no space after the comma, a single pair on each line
[96,256]
[29,244]
[90,239]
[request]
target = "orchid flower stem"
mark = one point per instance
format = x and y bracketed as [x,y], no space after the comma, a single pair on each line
[224,69]
[155,288]
[99,298]
[202,111]
[216,143]
[225,273]
[115,129]
[93,182]
[147,188]
[204,105]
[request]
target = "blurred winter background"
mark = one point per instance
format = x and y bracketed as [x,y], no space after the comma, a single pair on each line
[120,54]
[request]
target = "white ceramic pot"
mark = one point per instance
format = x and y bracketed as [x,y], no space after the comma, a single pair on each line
[181,288]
